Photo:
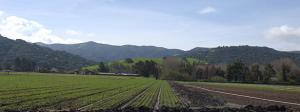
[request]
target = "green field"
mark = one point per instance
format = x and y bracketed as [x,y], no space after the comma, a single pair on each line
[258,87]
[28,91]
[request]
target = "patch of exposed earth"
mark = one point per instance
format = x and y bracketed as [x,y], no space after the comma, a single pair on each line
[199,99]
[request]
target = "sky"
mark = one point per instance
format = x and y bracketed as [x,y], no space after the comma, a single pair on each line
[180,24]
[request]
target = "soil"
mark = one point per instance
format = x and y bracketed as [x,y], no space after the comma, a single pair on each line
[195,98]
[285,97]
[168,109]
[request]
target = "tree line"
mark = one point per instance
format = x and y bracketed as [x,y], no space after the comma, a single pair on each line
[147,68]
[283,71]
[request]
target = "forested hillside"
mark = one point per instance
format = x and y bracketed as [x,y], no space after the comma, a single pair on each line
[104,52]
[219,55]
[247,54]
[23,56]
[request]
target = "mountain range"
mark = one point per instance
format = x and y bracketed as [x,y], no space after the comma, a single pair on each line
[247,54]
[73,56]
[43,57]
[219,55]
[104,52]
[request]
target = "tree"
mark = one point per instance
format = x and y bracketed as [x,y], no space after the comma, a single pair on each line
[237,71]
[157,71]
[129,60]
[220,72]
[268,73]
[103,67]
[118,67]
[255,73]
[141,69]
[198,72]
[186,66]
[147,68]
[285,70]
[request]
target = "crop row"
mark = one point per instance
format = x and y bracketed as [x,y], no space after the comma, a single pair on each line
[54,92]
[168,97]
[148,99]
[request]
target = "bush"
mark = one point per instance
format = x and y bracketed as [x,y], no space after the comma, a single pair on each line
[274,80]
[175,75]
[217,79]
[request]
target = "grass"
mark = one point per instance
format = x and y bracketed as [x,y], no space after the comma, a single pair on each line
[259,87]
[26,91]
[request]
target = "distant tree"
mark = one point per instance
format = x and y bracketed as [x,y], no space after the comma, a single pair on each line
[185,66]
[213,70]
[255,73]
[220,72]
[129,60]
[164,58]
[118,67]
[297,75]
[151,68]
[103,67]
[140,68]
[147,68]
[268,73]
[206,72]
[157,71]
[237,71]
[199,72]
[285,70]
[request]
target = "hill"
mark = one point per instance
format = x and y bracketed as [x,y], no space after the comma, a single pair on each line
[219,55]
[42,57]
[297,52]
[104,52]
[248,54]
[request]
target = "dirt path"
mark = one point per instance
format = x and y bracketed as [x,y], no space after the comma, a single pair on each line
[157,104]
[240,98]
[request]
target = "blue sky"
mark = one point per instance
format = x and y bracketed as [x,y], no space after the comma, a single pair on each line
[182,24]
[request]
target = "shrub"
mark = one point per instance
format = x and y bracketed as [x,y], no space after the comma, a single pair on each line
[217,79]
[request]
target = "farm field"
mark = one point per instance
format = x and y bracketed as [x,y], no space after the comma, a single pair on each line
[38,91]
[250,94]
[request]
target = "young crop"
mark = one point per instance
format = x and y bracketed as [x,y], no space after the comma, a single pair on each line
[28,91]
[168,97]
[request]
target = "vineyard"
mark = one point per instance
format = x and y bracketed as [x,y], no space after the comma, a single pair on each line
[35,91]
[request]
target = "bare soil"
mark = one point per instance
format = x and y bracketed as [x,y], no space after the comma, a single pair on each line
[285,97]
[195,98]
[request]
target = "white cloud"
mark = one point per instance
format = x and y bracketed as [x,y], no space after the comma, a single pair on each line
[20,28]
[207,10]
[1,13]
[72,32]
[284,32]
